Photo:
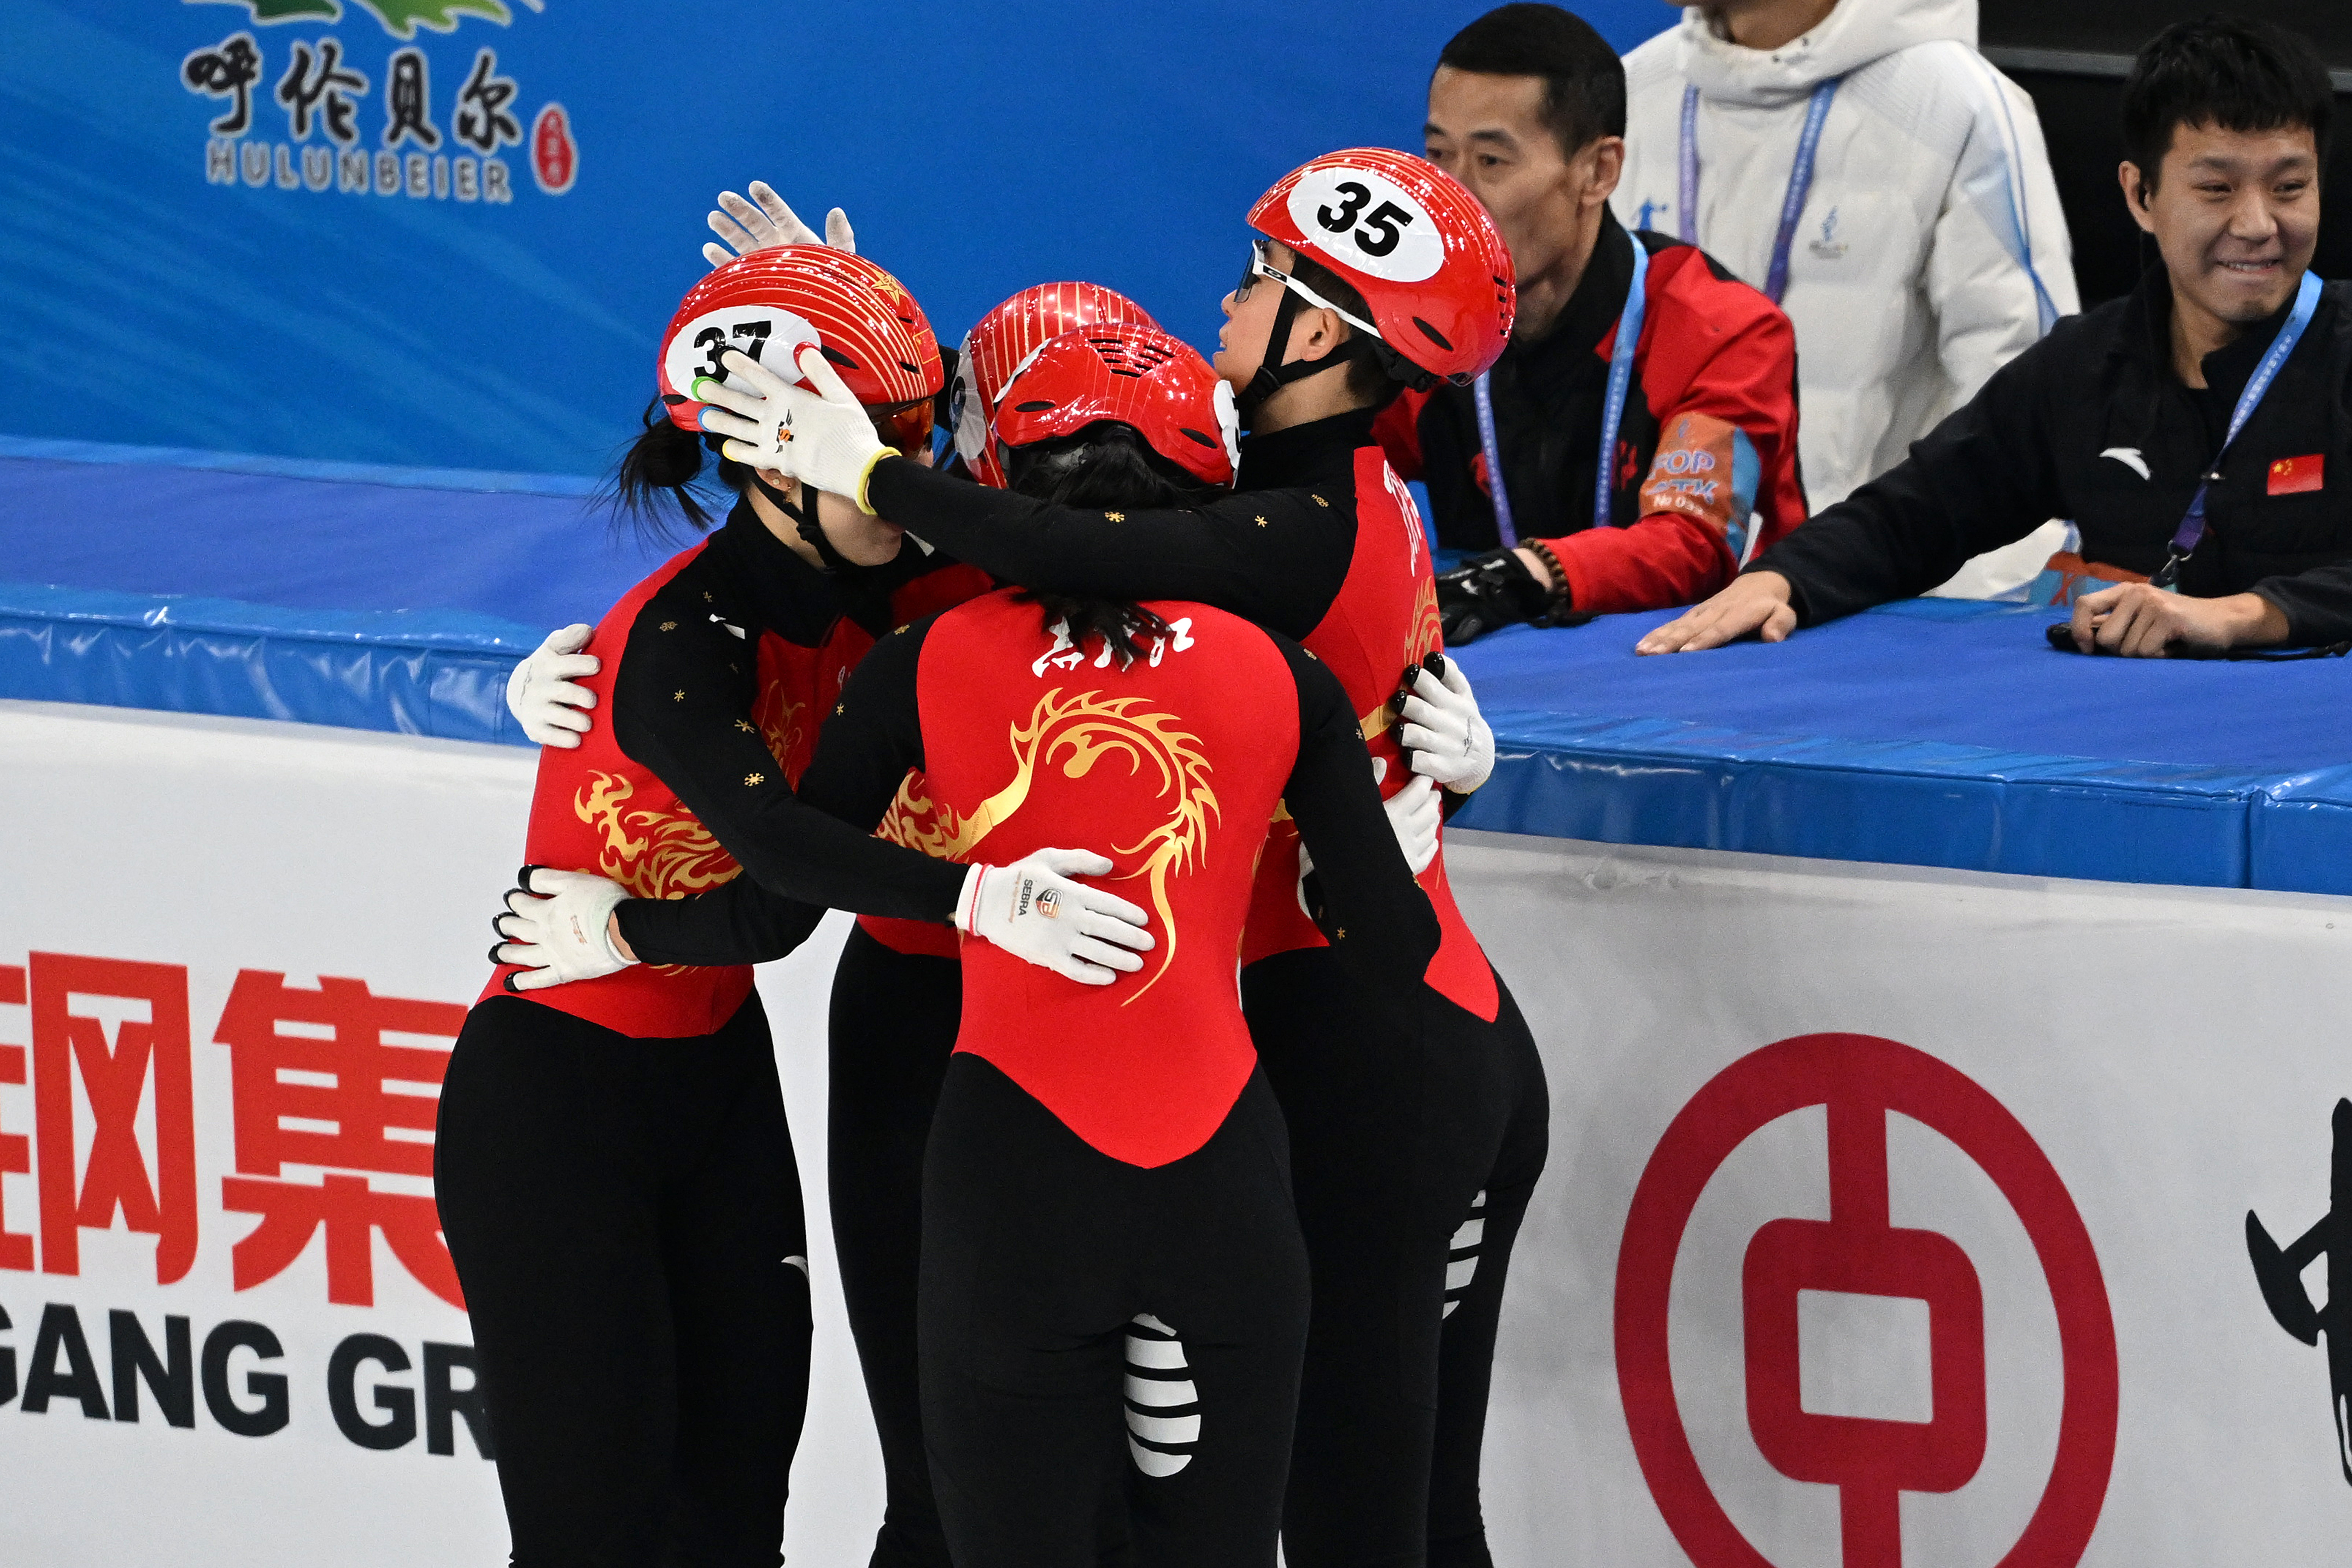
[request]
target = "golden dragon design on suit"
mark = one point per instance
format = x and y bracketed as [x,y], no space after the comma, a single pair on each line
[1076,732]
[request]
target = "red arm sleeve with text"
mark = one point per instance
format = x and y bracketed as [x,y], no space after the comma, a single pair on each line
[1719,368]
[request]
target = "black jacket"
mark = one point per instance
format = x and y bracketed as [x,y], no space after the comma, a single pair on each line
[2055,432]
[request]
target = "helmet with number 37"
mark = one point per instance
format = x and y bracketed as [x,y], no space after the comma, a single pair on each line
[1002,340]
[1413,241]
[771,303]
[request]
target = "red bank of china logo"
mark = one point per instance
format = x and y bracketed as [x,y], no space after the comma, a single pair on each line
[357,123]
[1858,1251]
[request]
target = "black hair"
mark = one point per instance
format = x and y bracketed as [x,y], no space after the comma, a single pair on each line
[1107,464]
[663,468]
[1376,377]
[2227,72]
[1584,81]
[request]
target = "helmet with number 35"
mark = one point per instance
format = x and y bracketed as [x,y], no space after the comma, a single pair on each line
[771,303]
[1002,340]
[1413,241]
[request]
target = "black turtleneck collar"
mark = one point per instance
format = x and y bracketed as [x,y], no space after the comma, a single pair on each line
[1316,452]
[1600,296]
[784,592]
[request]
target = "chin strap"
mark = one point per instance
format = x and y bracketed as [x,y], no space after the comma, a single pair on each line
[804,519]
[1273,375]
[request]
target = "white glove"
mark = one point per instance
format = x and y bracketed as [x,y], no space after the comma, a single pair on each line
[1031,910]
[554,928]
[747,227]
[823,438]
[540,694]
[1415,814]
[1442,729]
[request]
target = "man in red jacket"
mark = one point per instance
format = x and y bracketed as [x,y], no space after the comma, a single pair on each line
[1629,481]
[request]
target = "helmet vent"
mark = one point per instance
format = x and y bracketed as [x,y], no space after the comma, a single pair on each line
[837,357]
[1197,435]
[1433,335]
[1122,357]
[1035,405]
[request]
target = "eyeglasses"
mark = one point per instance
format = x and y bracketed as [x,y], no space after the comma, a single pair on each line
[904,426]
[1259,266]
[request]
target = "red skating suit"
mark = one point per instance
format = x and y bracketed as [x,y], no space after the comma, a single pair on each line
[1382,624]
[595,810]
[1170,766]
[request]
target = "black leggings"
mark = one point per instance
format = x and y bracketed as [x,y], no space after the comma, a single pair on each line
[1414,1156]
[895,1016]
[1089,1327]
[625,1218]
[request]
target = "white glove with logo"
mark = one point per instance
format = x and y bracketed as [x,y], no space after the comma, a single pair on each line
[1031,910]
[746,226]
[1442,729]
[822,439]
[540,693]
[1415,814]
[556,927]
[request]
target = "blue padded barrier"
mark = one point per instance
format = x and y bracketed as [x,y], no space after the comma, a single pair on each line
[1665,782]
[2301,839]
[1933,732]
[417,672]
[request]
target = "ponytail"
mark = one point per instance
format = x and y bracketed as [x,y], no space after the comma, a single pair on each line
[1122,624]
[662,468]
[1107,464]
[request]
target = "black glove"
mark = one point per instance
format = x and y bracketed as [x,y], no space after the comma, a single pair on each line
[1493,591]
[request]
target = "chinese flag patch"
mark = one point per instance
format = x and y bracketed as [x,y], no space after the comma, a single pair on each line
[2294,476]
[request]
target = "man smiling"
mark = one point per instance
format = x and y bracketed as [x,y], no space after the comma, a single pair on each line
[2198,431]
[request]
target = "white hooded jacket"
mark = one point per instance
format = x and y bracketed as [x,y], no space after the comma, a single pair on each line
[1930,249]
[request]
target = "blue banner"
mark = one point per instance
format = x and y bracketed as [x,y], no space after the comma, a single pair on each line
[448,232]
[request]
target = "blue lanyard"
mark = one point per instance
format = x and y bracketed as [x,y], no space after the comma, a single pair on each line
[1800,179]
[1621,379]
[1688,194]
[1612,412]
[2185,539]
[1486,442]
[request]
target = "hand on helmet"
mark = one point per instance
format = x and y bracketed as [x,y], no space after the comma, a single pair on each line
[557,927]
[1032,910]
[1444,731]
[766,222]
[1487,593]
[823,439]
[541,695]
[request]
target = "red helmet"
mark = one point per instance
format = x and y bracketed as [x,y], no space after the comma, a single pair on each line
[1419,248]
[1135,375]
[772,302]
[1010,333]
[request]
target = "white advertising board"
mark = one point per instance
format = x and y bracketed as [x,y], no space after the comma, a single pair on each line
[1899,1216]
[1893,1217]
[150,865]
